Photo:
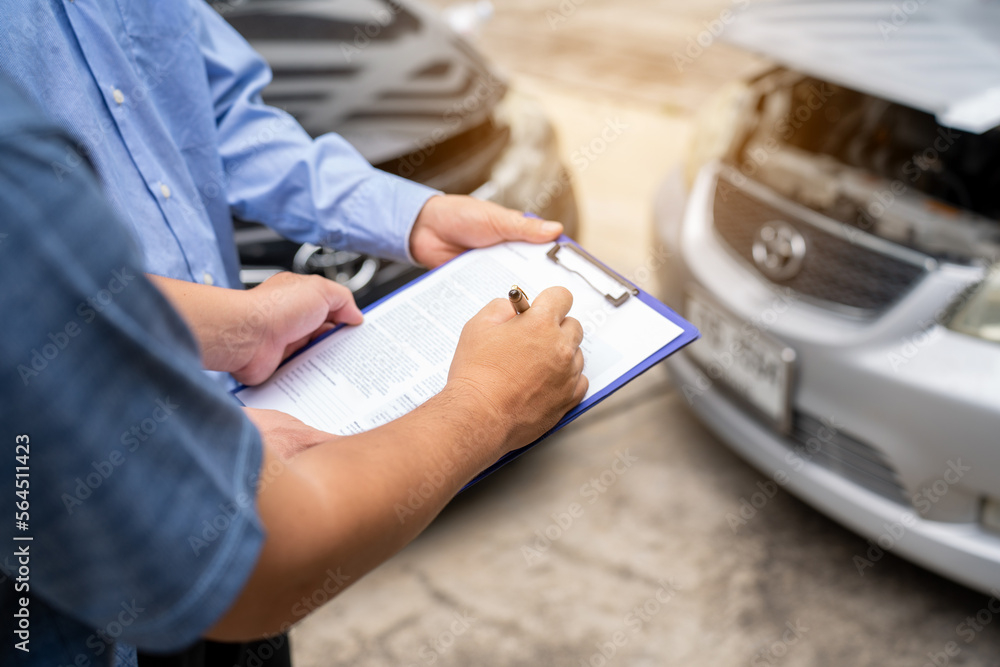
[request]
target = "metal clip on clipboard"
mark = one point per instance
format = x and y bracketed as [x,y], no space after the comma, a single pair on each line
[579,261]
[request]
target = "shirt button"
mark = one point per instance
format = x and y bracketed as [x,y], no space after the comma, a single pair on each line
[164,190]
[208,279]
[118,95]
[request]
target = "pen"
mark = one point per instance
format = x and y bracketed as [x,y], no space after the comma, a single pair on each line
[518,299]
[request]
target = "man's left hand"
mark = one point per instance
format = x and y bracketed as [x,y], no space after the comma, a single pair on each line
[449,225]
[286,311]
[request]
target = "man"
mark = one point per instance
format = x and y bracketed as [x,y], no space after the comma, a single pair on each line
[153,512]
[166,99]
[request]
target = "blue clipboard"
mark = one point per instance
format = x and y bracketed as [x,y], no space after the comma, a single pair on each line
[688,335]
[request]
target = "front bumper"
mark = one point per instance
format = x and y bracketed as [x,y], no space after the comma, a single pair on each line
[918,419]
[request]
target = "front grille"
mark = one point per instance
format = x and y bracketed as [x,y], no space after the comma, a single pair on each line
[834,271]
[827,446]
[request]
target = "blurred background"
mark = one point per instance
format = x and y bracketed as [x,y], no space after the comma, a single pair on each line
[815,185]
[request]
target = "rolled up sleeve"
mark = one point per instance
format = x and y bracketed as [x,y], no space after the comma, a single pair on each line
[143,473]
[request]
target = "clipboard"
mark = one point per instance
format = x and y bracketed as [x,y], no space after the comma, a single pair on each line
[612,286]
[596,273]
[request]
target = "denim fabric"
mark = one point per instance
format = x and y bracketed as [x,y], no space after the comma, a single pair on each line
[142,472]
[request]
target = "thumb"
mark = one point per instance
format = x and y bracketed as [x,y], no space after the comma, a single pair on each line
[529,227]
[342,306]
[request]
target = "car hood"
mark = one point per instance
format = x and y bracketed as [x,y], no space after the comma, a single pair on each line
[938,57]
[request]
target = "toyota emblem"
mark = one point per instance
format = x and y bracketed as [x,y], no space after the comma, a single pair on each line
[778,250]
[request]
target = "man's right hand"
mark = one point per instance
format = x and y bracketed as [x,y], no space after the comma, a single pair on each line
[526,371]
[348,504]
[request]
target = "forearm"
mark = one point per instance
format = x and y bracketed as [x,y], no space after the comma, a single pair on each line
[348,505]
[220,319]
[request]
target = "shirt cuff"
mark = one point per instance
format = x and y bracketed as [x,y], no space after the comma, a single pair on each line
[381,216]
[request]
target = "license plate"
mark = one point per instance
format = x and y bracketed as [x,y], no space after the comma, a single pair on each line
[747,361]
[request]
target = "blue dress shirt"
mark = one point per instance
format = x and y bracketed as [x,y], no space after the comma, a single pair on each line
[164,97]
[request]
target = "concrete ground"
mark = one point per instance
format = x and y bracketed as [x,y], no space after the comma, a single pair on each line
[609,544]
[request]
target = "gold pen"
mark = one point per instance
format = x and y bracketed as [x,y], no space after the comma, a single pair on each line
[518,299]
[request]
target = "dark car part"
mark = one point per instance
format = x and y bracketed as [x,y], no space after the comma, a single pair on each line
[412,96]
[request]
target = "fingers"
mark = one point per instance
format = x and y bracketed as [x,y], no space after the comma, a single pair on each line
[495,312]
[341,303]
[582,383]
[554,301]
[290,292]
[516,226]
[572,327]
[323,328]
[582,386]
[294,347]
[297,345]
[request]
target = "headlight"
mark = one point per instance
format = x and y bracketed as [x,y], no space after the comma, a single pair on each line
[721,120]
[979,313]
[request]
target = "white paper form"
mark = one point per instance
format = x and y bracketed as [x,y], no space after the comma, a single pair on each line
[361,377]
